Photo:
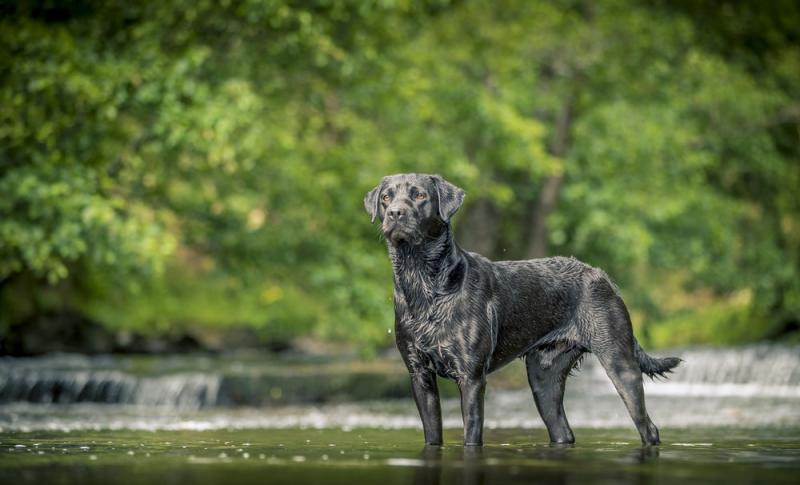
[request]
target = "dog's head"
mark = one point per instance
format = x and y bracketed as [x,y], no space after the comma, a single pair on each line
[413,207]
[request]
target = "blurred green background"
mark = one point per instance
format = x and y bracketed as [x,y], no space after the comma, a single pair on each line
[193,171]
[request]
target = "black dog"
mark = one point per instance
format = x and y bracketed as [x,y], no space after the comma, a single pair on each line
[461,316]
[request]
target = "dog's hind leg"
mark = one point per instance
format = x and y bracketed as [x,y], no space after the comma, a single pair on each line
[613,344]
[626,375]
[548,370]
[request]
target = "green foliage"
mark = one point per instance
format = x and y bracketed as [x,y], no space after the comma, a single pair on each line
[720,323]
[202,164]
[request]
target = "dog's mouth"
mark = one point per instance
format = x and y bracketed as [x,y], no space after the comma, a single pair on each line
[398,235]
[399,238]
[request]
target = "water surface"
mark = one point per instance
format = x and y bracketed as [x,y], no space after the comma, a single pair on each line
[726,415]
[396,456]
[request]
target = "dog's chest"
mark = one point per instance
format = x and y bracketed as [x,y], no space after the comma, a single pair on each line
[435,342]
[439,330]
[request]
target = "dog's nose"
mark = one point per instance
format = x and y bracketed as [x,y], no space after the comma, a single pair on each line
[396,213]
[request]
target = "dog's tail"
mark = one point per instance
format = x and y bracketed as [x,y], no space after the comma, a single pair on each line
[653,366]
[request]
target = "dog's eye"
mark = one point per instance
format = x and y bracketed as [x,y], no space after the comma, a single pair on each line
[386,197]
[420,196]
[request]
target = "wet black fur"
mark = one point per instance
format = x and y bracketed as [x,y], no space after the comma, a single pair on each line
[461,316]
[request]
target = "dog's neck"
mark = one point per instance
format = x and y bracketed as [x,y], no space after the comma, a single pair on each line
[421,272]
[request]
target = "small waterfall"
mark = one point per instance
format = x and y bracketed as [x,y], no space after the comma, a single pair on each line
[74,379]
[757,370]
[764,364]
[769,365]
[192,382]
[750,386]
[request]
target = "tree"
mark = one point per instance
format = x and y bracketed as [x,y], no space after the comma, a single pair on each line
[201,164]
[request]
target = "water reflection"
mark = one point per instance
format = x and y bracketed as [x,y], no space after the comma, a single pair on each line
[472,466]
[474,472]
[556,464]
[512,456]
[430,471]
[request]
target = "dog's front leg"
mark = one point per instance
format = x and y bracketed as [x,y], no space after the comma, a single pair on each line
[426,395]
[472,390]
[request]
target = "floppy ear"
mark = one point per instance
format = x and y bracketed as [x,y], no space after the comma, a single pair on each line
[450,197]
[371,201]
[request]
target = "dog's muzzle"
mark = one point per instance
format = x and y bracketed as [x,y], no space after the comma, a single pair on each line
[399,233]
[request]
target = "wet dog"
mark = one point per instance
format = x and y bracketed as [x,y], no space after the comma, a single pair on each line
[460,316]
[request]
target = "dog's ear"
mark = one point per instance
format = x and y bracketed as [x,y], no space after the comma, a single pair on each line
[371,201]
[450,197]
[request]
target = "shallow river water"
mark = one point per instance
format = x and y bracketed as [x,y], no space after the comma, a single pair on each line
[726,415]
[396,456]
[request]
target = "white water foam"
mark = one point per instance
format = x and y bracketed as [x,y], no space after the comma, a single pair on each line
[749,387]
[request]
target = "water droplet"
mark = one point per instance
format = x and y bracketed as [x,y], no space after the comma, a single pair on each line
[331,444]
[262,456]
[223,455]
[324,457]
[20,446]
[92,457]
[245,455]
[84,448]
[366,456]
[298,458]
[130,453]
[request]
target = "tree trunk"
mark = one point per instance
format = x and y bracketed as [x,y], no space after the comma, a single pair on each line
[551,188]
